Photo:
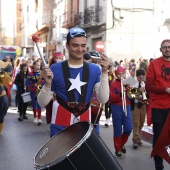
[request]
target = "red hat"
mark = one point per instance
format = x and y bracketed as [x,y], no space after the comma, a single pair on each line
[57,54]
[119,69]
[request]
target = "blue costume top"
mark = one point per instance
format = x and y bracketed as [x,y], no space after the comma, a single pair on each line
[58,83]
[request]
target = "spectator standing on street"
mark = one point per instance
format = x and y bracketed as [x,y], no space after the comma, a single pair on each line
[132,67]
[158,83]
[144,65]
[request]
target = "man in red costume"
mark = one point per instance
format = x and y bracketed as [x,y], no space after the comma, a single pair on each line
[158,83]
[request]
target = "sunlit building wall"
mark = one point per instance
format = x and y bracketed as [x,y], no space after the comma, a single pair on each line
[135,28]
[10,18]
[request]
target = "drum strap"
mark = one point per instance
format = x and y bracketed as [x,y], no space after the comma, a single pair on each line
[75,107]
[66,73]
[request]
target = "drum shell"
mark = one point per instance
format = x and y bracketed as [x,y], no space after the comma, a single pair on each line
[92,154]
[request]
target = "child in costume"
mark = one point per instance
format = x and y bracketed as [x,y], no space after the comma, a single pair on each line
[34,80]
[121,116]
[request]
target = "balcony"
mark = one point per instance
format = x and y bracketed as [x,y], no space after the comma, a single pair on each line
[92,16]
[49,20]
[78,19]
[68,19]
[46,19]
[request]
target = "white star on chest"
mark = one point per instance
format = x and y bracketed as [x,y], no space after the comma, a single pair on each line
[76,84]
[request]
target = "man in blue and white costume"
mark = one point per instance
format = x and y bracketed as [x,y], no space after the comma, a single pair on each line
[73,82]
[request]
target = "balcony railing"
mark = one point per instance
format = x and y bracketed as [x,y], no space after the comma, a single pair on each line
[92,15]
[68,19]
[46,19]
[78,19]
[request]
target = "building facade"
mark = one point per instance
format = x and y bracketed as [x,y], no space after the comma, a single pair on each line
[10,19]
[129,28]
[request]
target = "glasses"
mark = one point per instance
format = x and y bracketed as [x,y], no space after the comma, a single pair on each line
[165,47]
[77,31]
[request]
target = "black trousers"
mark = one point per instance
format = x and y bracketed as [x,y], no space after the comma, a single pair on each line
[158,117]
[22,107]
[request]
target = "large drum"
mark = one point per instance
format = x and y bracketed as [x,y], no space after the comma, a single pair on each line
[77,147]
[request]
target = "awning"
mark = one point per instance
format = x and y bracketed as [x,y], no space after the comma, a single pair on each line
[41,30]
[9,48]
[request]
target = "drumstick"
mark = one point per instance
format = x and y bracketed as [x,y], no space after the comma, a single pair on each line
[36,40]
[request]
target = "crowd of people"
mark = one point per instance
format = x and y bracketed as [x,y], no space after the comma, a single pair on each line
[66,89]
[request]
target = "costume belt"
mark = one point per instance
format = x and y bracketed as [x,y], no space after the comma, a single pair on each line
[76,108]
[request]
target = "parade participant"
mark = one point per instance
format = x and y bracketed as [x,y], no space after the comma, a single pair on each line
[33,80]
[139,108]
[158,83]
[20,81]
[5,79]
[58,57]
[8,59]
[73,81]
[107,104]
[121,113]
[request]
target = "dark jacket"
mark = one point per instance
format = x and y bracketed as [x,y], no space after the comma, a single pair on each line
[20,82]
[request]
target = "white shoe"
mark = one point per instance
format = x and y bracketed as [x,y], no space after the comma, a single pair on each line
[35,120]
[107,124]
[39,122]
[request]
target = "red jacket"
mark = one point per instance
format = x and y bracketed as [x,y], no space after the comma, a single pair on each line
[116,94]
[157,79]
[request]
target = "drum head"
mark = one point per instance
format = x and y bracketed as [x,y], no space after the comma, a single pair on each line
[59,146]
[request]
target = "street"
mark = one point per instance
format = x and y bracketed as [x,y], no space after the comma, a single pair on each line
[20,142]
